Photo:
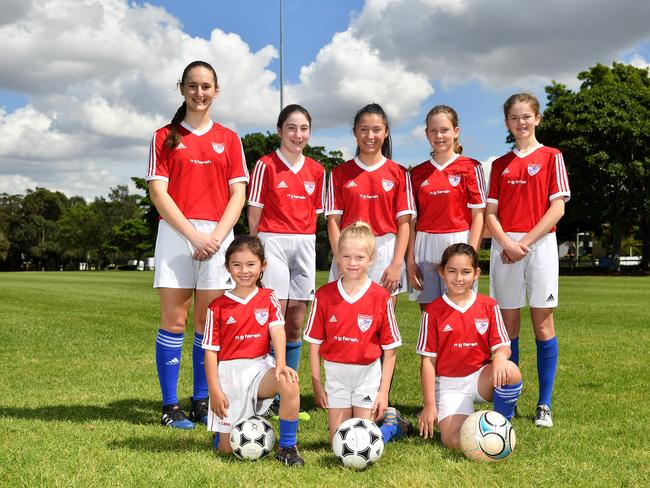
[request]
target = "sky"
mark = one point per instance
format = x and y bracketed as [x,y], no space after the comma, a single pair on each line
[84,83]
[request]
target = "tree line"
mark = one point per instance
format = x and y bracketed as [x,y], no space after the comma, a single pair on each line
[602,128]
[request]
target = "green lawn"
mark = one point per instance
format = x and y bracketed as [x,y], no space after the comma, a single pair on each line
[79,398]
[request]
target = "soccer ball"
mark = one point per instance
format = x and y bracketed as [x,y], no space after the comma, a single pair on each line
[487,436]
[358,443]
[252,438]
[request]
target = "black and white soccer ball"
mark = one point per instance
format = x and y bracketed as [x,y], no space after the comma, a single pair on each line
[358,443]
[252,438]
[487,436]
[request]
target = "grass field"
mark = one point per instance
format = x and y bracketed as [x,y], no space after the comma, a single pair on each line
[79,398]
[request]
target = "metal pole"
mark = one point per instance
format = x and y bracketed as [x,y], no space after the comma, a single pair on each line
[281,54]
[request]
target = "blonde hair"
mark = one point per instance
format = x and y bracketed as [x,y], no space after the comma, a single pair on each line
[524,97]
[453,118]
[359,230]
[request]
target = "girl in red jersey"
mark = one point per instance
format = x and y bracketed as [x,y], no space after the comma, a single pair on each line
[352,321]
[465,350]
[449,192]
[285,197]
[528,191]
[376,190]
[197,180]
[242,377]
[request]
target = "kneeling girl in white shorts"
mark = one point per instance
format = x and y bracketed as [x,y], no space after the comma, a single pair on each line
[465,349]
[351,322]
[242,377]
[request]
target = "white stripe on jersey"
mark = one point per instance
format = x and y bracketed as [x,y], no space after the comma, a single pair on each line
[409,193]
[243,159]
[276,304]
[424,331]
[561,174]
[151,170]
[310,319]
[480,178]
[501,326]
[329,206]
[392,321]
[257,181]
[322,196]
[209,331]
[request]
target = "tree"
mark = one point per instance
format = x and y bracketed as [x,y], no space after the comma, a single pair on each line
[603,130]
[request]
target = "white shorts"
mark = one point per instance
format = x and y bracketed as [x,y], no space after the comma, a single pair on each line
[240,380]
[352,385]
[456,396]
[428,251]
[175,267]
[385,252]
[290,265]
[536,275]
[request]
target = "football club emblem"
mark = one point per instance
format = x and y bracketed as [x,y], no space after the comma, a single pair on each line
[309,187]
[481,325]
[387,184]
[364,321]
[218,147]
[533,168]
[454,180]
[261,315]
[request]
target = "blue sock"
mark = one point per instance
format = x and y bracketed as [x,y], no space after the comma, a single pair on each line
[547,352]
[215,441]
[200,380]
[288,432]
[505,399]
[293,354]
[388,431]
[514,347]
[168,362]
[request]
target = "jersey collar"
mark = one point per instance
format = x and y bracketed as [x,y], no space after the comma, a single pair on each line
[445,164]
[295,169]
[347,297]
[197,132]
[243,301]
[456,307]
[520,154]
[369,168]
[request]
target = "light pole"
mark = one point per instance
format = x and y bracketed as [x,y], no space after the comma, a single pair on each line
[281,54]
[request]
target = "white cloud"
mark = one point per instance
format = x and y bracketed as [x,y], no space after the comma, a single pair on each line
[639,61]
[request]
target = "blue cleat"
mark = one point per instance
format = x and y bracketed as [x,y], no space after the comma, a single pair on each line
[175,418]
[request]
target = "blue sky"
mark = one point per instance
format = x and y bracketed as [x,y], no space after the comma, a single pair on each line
[84,83]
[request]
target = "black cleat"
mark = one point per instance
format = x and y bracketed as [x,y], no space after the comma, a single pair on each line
[289,456]
[199,411]
[175,418]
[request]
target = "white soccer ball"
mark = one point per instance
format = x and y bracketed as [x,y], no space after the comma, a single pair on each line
[358,443]
[252,438]
[487,436]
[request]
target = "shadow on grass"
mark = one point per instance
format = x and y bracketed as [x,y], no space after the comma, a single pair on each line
[168,444]
[133,410]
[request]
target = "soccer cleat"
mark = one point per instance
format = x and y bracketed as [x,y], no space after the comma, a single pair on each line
[304,416]
[289,456]
[199,411]
[175,418]
[543,416]
[392,416]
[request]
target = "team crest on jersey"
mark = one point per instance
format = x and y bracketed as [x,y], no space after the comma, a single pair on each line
[533,168]
[218,147]
[364,321]
[481,325]
[454,180]
[262,315]
[387,184]
[310,186]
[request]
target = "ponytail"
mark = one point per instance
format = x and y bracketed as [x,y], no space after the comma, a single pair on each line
[173,137]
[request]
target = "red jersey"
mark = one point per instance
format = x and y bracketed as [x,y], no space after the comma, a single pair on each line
[239,328]
[461,339]
[377,195]
[291,196]
[199,169]
[445,194]
[524,185]
[352,330]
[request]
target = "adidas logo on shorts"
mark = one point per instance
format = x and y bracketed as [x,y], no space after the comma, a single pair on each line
[550,298]
[231,320]
[367,399]
[229,281]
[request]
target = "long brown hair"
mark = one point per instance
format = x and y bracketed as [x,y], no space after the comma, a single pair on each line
[375,109]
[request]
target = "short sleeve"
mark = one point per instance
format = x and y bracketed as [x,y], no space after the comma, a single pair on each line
[389,334]
[237,170]
[334,202]
[476,186]
[498,334]
[211,336]
[559,184]
[315,330]
[495,181]
[157,168]
[275,311]
[257,188]
[427,339]
[319,194]
[405,200]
